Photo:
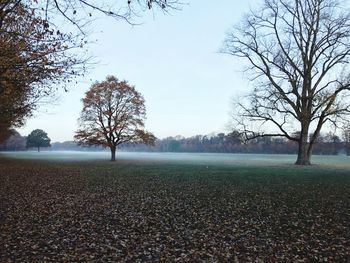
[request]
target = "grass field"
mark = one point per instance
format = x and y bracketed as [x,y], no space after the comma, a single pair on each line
[173,208]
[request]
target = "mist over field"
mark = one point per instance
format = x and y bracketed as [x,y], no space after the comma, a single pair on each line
[339,161]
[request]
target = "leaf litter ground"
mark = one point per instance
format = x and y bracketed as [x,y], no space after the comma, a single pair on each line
[167,212]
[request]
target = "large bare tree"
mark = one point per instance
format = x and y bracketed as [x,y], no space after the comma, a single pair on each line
[113,113]
[297,54]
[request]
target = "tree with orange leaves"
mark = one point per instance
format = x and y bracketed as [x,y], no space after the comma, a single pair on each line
[35,59]
[113,113]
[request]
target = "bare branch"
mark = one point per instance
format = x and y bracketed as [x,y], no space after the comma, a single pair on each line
[297,52]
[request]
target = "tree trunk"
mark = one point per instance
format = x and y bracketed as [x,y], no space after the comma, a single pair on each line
[113,150]
[304,153]
[38,148]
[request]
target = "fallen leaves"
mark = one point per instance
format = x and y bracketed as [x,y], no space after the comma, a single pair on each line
[139,212]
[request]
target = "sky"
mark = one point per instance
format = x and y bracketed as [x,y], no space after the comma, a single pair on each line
[173,60]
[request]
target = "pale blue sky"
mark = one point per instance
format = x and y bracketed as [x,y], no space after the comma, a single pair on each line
[173,60]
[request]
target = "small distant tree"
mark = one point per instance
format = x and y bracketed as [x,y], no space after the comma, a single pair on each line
[113,113]
[38,138]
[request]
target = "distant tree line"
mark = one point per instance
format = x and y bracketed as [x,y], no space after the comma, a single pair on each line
[15,142]
[73,146]
[327,144]
[36,139]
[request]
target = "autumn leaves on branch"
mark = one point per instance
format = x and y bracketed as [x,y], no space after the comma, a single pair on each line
[38,55]
[113,113]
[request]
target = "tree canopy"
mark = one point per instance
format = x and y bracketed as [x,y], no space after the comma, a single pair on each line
[113,113]
[34,60]
[38,138]
[297,54]
[40,53]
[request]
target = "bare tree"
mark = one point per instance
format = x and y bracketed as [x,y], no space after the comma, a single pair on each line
[81,12]
[297,54]
[113,113]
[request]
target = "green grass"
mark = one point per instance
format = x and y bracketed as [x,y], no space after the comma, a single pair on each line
[221,159]
[149,209]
